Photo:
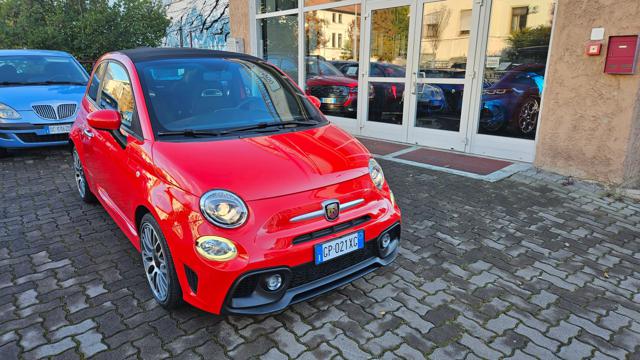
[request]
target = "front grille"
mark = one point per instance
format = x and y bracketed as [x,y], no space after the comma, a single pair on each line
[66,110]
[306,273]
[35,138]
[45,111]
[329,91]
[246,287]
[48,112]
[331,230]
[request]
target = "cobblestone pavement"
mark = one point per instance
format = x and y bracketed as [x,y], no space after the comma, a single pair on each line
[523,268]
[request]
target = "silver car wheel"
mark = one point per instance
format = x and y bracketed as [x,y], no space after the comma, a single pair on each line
[154,261]
[81,181]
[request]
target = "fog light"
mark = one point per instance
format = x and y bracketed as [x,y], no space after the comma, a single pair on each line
[385,241]
[216,248]
[273,282]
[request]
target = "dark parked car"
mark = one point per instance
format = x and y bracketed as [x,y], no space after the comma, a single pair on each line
[338,94]
[514,101]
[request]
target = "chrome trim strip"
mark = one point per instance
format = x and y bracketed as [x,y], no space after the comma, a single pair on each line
[320,213]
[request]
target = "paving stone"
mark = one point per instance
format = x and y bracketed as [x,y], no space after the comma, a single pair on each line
[90,343]
[576,350]
[501,323]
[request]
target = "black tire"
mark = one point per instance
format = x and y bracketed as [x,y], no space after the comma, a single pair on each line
[4,152]
[527,117]
[155,254]
[81,180]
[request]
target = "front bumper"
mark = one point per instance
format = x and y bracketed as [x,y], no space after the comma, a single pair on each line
[309,280]
[28,134]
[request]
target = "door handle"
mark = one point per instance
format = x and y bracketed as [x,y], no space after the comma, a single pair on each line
[88,133]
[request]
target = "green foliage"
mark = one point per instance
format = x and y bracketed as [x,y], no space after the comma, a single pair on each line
[531,43]
[85,28]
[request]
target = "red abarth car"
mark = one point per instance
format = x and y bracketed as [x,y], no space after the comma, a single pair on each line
[241,197]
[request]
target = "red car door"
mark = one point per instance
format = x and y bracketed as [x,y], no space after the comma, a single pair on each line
[115,152]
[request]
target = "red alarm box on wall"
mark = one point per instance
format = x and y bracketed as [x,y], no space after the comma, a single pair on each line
[622,55]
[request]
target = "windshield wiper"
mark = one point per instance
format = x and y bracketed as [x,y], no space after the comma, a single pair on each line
[266,125]
[36,83]
[259,126]
[59,83]
[189,133]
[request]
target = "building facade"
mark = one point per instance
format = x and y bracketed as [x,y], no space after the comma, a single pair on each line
[197,23]
[508,79]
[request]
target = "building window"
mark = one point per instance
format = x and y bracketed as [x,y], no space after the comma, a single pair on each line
[333,40]
[340,40]
[339,18]
[333,18]
[465,22]
[519,18]
[265,6]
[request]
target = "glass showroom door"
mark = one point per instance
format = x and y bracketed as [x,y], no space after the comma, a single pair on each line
[442,74]
[384,68]
[513,55]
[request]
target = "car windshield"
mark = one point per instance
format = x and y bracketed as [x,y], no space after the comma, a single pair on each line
[319,67]
[198,94]
[40,70]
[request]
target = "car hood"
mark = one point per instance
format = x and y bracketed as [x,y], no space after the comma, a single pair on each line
[332,81]
[264,166]
[21,97]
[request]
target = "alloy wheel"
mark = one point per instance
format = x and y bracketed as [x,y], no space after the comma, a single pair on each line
[79,174]
[528,117]
[154,261]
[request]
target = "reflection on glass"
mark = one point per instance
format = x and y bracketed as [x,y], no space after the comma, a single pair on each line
[446,28]
[439,106]
[514,68]
[279,42]
[389,36]
[264,6]
[332,43]
[386,101]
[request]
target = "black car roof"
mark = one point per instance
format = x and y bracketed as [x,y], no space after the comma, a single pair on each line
[146,54]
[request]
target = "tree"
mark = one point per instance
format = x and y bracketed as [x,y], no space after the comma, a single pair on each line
[391,31]
[314,31]
[84,28]
[437,21]
[528,45]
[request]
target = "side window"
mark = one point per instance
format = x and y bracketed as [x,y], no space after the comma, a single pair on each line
[117,94]
[95,82]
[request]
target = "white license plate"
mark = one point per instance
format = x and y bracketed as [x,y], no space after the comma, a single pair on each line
[59,129]
[338,247]
[329,100]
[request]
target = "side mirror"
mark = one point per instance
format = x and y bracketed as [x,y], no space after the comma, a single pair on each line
[314,100]
[104,120]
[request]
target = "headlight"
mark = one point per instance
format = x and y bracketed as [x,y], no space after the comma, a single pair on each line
[375,171]
[6,112]
[216,248]
[223,208]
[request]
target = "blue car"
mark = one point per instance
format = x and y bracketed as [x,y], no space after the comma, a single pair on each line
[40,93]
[514,101]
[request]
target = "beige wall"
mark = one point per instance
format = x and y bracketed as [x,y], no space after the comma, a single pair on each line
[239,21]
[590,121]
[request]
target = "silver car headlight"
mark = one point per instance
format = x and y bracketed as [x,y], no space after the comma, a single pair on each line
[7,112]
[375,171]
[223,208]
